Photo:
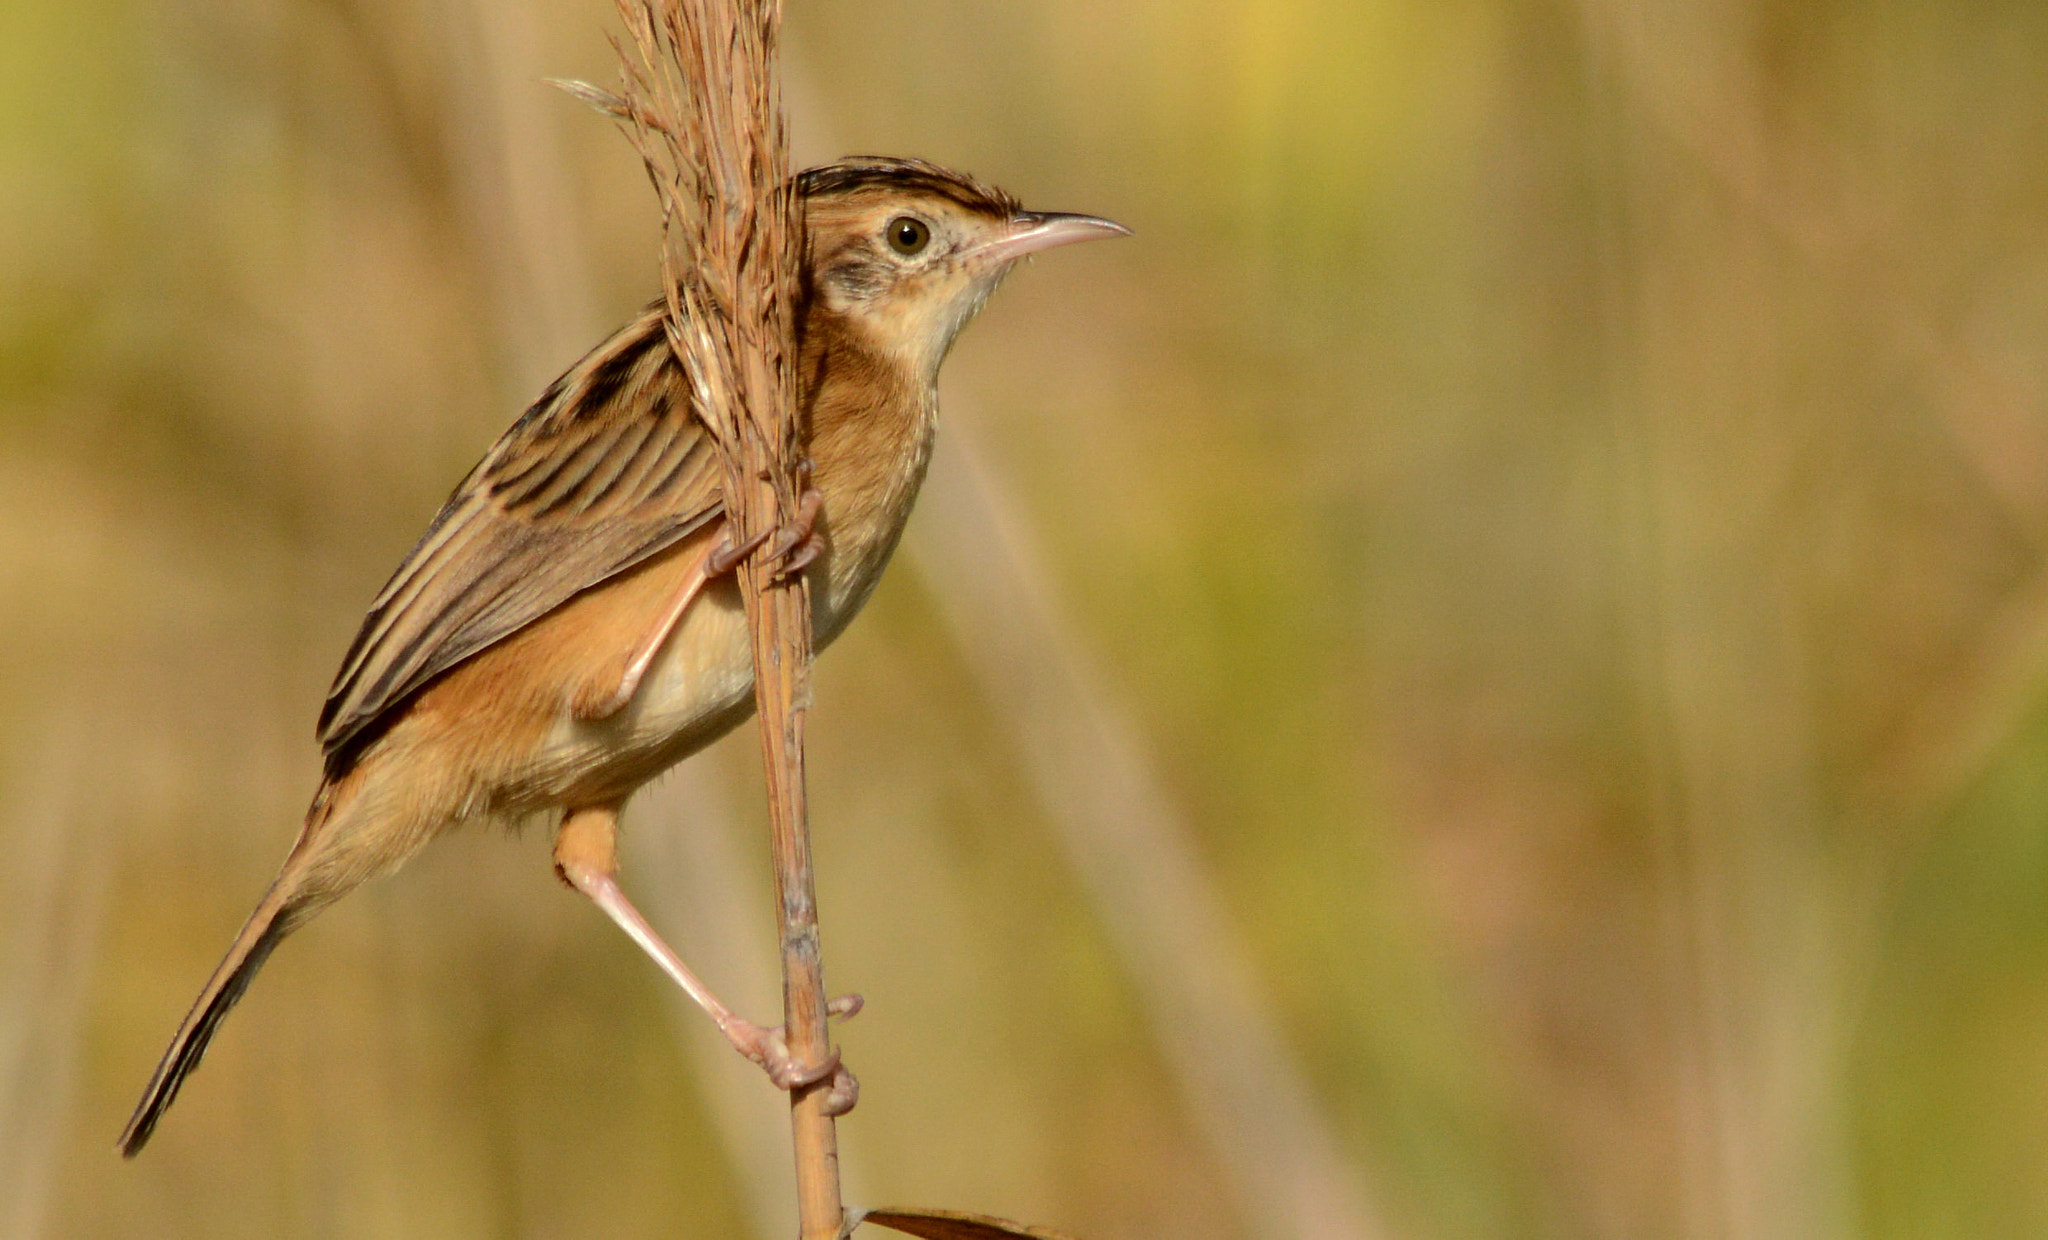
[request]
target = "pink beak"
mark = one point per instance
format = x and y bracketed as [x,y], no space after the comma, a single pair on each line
[1032,231]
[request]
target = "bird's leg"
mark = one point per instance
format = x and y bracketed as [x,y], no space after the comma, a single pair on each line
[586,857]
[603,701]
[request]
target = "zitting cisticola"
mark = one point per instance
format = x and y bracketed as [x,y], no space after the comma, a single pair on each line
[567,628]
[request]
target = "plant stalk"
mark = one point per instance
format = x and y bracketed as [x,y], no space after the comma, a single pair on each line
[782,641]
[702,104]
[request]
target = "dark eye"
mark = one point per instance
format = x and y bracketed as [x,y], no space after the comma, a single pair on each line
[907,234]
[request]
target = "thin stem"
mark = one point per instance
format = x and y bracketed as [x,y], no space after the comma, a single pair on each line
[782,634]
[702,101]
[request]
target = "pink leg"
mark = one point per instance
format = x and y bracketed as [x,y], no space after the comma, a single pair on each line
[586,859]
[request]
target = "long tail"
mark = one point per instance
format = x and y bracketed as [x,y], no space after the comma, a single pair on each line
[304,885]
[265,928]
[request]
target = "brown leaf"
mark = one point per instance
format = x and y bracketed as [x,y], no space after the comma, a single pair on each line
[953,1225]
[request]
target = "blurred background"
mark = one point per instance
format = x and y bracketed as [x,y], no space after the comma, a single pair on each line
[1485,676]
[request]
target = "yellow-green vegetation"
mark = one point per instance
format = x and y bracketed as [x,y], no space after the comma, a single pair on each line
[1559,493]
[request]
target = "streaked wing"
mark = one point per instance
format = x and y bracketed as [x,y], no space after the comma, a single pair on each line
[607,468]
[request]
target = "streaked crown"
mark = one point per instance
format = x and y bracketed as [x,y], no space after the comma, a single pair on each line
[858,175]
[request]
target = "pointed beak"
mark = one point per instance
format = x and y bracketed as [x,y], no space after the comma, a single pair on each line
[1032,231]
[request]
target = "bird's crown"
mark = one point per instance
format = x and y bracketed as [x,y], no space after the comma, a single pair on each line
[859,174]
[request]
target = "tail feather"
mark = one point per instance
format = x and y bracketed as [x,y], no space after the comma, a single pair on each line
[336,850]
[265,928]
[293,896]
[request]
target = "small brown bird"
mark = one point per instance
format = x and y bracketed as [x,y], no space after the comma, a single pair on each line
[568,627]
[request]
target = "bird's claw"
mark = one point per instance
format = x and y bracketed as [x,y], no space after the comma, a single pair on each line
[797,543]
[790,547]
[728,555]
[768,1047]
[845,1092]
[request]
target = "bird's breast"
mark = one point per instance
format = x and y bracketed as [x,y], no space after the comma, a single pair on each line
[870,444]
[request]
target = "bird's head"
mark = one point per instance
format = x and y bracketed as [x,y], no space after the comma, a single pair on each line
[907,252]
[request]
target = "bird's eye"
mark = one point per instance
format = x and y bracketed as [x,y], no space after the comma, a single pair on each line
[907,235]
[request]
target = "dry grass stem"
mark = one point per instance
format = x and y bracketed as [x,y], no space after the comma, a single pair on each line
[701,102]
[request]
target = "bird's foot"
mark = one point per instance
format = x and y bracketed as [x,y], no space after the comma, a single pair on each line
[797,543]
[586,857]
[790,547]
[768,1046]
[729,554]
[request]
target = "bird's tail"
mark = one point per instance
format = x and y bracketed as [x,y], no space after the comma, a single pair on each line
[290,900]
[252,947]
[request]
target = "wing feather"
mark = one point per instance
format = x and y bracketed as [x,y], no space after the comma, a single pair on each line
[608,467]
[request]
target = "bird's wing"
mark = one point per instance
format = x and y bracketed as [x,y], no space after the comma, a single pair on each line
[608,467]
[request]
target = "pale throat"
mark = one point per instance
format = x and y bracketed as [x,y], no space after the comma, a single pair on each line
[915,328]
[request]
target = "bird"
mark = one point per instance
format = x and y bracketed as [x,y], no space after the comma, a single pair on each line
[569,625]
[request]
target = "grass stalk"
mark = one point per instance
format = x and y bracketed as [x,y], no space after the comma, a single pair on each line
[703,107]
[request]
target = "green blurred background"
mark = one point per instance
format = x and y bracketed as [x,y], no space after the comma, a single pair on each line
[1545,530]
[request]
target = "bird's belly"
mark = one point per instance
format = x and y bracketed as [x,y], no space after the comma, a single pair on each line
[699,685]
[705,668]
